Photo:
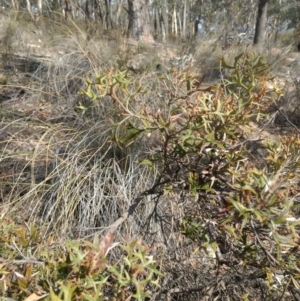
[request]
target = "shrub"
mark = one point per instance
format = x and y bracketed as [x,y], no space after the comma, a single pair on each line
[33,269]
[198,145]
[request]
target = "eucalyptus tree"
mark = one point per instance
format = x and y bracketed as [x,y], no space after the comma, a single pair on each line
[139,27]
[159,18]
[261,22]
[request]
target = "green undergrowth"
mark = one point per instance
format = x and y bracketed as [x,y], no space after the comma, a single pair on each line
[33,268]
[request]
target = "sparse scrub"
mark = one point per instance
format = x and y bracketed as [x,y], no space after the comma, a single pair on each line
[145,184]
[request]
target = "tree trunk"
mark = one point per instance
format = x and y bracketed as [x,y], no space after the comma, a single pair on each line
[157,25]
[174,22]
[108,21]
[179,23]
[139,21]
[261,21]
[15,5]
[165,21]
[40,8]
[183,31]
[118,13]
[87,10]
[68,11]
[196,27]
[99,11]
[28,6]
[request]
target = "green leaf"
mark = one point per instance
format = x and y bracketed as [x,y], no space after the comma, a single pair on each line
[238,206]
[224,64]
[131,135]
[245,220]
[210,137]
[68,291]
[259,215]
[231,230]
[53,296]
[279,220]
[248,188]
[79,255]
[283,240]
[179,150]
[82,108]
[236,60]
[148,162]
[22,283]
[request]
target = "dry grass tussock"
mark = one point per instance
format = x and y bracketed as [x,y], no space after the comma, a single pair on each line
[57,166]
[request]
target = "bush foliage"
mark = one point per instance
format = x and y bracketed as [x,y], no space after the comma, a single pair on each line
[33,269]
[202,148]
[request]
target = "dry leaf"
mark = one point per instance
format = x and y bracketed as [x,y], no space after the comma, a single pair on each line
[35,297]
